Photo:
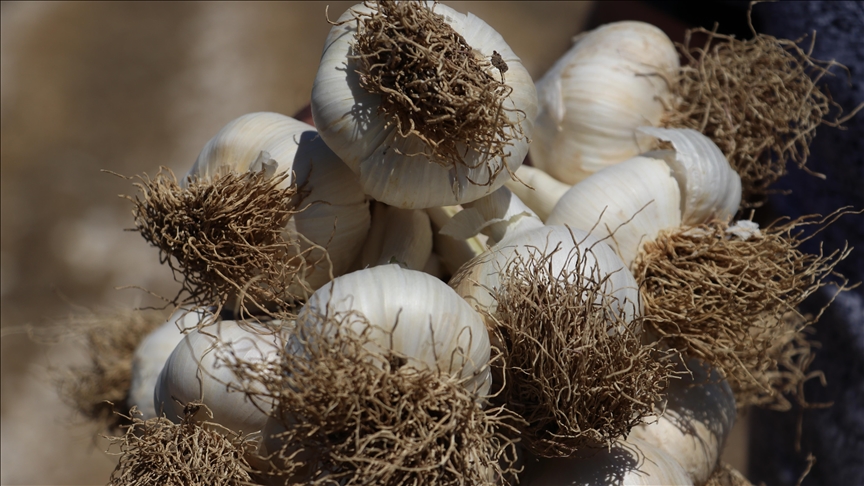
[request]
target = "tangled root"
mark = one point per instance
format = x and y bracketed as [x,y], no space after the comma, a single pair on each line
[575,371]
[730,298]
[100,387]
[351,416]
[757,99]
[191,453]
[433,85]
[225,237]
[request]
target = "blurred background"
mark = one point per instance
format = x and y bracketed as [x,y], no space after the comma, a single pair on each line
[130,87]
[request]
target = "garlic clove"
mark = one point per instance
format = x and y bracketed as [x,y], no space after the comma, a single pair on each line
[397,235]
[635,200]
[631,462]
[151,355]
[537,189]
[412,313]
[699,414]
[613,80]
[498,215]
[710,188]
[453,252]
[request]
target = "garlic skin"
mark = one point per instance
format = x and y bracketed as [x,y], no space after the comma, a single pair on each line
[397,236]
[484,273]
[453,252]
[627,463]
[196,370]
[543,193]
[659,190]
[430,324]
[613,80]
[153,352]
[347,119]
[700,412]
[499,215]
[336,214]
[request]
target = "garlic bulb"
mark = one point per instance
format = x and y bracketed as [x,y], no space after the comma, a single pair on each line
[700,412]
[397,236]
[636,199]
[404,171]
[197,370]
[413,314]
[631,462]
[153,352]
[483,274]
[613,80]
[336,214]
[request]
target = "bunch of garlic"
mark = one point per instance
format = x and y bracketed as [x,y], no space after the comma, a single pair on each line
[615,79]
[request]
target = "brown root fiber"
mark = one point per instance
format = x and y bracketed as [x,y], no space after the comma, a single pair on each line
[731,300]
[575,371]
[350,416]
[191,453]
[433,85]
[98,388]
[757,99]
[225,237]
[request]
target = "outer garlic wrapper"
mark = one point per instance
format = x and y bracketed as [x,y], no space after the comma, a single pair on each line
[700,412]
[632,462]
[484,273]
[197,370]
[363,127]
[151,355]
[412,313]
[499,215]
[336,214]
[613,80]
[659,190]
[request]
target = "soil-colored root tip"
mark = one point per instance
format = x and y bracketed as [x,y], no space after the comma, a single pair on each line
[728,295]
[433,85]
[350,416]
[100,387]
[158,451]
[757,99]
[576,372]
[225,237]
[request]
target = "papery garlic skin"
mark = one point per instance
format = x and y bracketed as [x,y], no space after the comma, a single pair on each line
[626,463]
[196,370]
[613,80]
[698,417]
[484,274]
[335,212]
[499,215]
[634,200]
[151,355]
[430,323]
[347,118]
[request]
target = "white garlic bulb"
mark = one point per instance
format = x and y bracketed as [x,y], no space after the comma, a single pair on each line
[197,370]
[153,352]
[640,197]
[613,80]
[336,214]
[396,169]
[484,274]
[627,463]
[412,313]
[699,414]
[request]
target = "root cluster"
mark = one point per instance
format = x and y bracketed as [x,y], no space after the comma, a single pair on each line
[191,453]
[433,85]
[100,387]
[757,99]
[225,237]
[575,371]
[731,300]
[353,416]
